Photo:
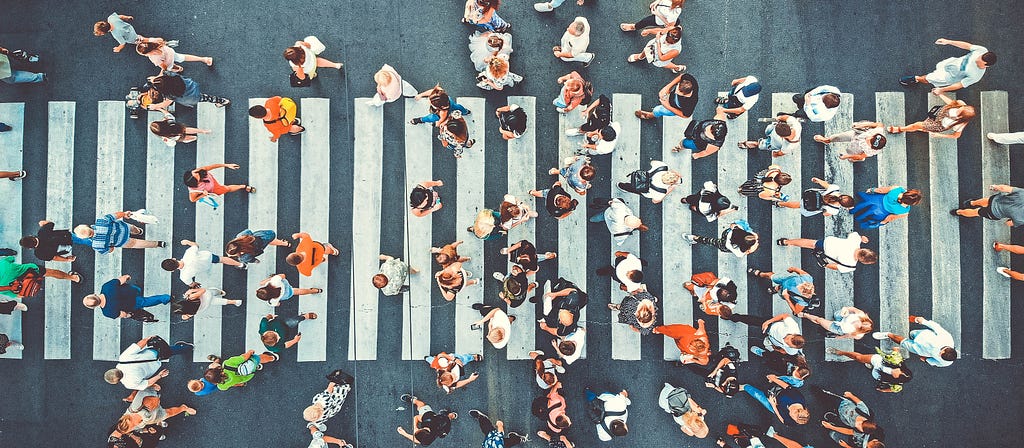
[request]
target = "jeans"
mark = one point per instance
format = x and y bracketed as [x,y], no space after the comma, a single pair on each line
[760,396]
[560,102]
[662,111]
[556,3]
[23,77]
[465,358]
[434,118]
[143,302]
[597,218]
[688,143]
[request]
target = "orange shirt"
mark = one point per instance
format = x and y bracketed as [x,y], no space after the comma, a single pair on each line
[314,252]
[684,335]
[280,115]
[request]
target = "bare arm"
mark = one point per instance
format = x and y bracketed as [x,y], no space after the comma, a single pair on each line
[956,43]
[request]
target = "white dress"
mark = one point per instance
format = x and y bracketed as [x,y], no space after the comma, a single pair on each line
[650,50]
[479,50]
[508,80]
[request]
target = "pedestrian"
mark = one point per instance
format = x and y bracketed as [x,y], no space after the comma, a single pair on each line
[309,253]
[767,184]
[448,254]
[627,270]
[780,136]
[145,409]
[742,96]
[497,76]
[494,434]
[638,310]
[557,201]
[22,280]
[612,411]
[678,99]
[881,205]
[1006,203]
[654,183]
[738,239]
[488,44]
[170,87]
[11,76]
[619,218]
[956,73]
[722,377]
[195,264]
[953,116]
[551,408]
[325,405]
[7,344]
[750,436]
[118,298]
[575,91]
[548,7]
[663,13]
[524,254]
[705,137]
[304,58]
[600,141]
[171,132]
[570,347]
[196,300]
[203,186]
[12,175]
[123,32]
[889,369]
[546,368]
[452,279]
[692,342]
[561,441]
[390,87]
[662,48]
[249,244]
[852,424]
[819,104]
[441,106]
[147,437]
[165,58]
[427,425]
[499,324]
[795,286]
[825,200]
[449,370]
[685,412]
[393,276]
[783,400]
[782,333]
[514,212]
[709,202]
[280,115]
[577,172]
[598,115]
[511,121]
[840,254]
[279,334]
[486,225]
[138,366]
[865,139]
[574,44]
[483,14]
[847,323]
[424,200]
[1013,249]
[237,371]
[1002,138]
[454,134]
[933,344]
[715,296]
[201,387]
[110,232]
[560,311]
[276,289]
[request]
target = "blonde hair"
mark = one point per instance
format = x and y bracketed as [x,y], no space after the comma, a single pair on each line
[670,178]
[382,77]
[113,376]
[496,335]
[312,413]
[124,424]
[83,231]
[270,338]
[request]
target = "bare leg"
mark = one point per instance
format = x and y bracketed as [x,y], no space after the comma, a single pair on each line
[790,204]
[1015,275]
[968,212]
[141,244]
[190,58]
[805,243]
[233,188]
[230,261]
[863,359]
[822,322]
[171,412]
[895,338]
[305,291]
[331,250]
[278,242]
[321,62]
[913,127]
[10,174]
[61,275]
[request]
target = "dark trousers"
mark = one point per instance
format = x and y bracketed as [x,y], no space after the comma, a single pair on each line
[717,243]
[486,427]
[753,321]
[647,22]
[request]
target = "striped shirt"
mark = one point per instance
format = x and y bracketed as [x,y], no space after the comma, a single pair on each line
[110,233]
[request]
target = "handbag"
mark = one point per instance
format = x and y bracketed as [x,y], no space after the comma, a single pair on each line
[143,316]
[163,349]
[933,113]
[142,215]
[300,82]
[812,200]
[26,285]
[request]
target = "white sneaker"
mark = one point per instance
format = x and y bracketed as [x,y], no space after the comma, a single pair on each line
[572,132]
[498,276]
[172,43]
[1004,271]
[543,7]
[16,346]
[880,335]
[690,238]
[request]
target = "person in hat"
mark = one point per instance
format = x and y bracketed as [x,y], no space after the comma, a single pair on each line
[638,310]
[742,96]
[325,405]
[953,74]
[865,138]
[705,137]
[427,425]
[715,296]
[795,286]
[934,344]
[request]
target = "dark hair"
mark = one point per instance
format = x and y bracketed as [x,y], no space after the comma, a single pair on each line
[948,354]
[146,47]
[215,375]
[440,100]
[457,127]
[169,265]
[724,312]
[489,4]
[719,130]
[506,211]
[268,292]
[562,421]
[618,428]
[242,245]
[513,286]
[190,180]
[568,348]
[869,426]
[730,387]
[878,141]
[257,111]
[294,258]
[380,281]
[608,133]
[587,172]
[167,128]
[636,276]
[831,100]
[674,35]
[685,85]
[101,28]
[989,58]
[295,55]
[424,436]
[189,307]
[417,196]
[798,341]
[782,178]
[911,197]
[29,241]
[844,200]
[868,256]
[783,130]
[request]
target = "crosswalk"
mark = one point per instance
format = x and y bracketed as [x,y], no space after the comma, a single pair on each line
[467,189]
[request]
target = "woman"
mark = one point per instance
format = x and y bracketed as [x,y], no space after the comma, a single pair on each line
[390,87]
[236,371]
[448,376]
[546,369]
[738,239]
[847,323]
[953,116]
[163,56]
[881,205]
[686,412]
[663,13]
[249,244]
[172,132]
[577,172]
[1006,203]
[780,136]
[795,286]
[145,410]
[715,296]
[454,134]
[723,377]
[767,184]
[889,369]
[660,50]
[865,140]
[195,300]
[557,201]
[147,437]
[452,279]
[574,92]
[304,57]
[170,87]
[692,342]
[485,226]
[327,404]
[485,45]
[826,201]
[201,183]
[423,200]
[709,202]
[514,212]
[276,289]
[497,75]
[511,121]
[619,219]
[499,324]
[638,310]
[551,408]
[484,15]
[705,136]
[448,254]
[654,183]
[524,254]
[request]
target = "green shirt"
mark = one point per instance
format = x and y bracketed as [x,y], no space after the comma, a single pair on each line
[11,270]
[277,326]
[233,377]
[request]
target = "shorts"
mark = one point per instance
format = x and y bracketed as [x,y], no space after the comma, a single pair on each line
[819,245]
[214,258]
[179,58]
[986,212]
[424,409]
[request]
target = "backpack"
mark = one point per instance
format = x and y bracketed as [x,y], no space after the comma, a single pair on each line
[26,285]
[678,401]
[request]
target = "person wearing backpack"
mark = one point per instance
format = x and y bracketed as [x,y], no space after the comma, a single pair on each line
[610,413]
[561,308]
[236,371]
[781,399]
[826,201]
[852,424]
[795,286]
[738,239]
[715,296]
[709,202]
[551,408]
[654,183]
[203,187]
[889,368]
[686,413]
[511,121]
[839,254]
[427,425]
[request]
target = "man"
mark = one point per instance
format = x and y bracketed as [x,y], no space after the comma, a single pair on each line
[956,73]
[852,424]
[195,264]
[601,141]
[52,245]
[557,201]
[796,287]
[279,334]
[742,96]
[614,412]
[138,366]
[678,98]
[279,116]
[705,137]
[780,136]
[1007,203]
[11,76]
[393,276]
[117,298]
[427,425]
[110,232]
[515,286]
[715,296]
[785,401]
[933,344]
[782,333]
[494,433]
[819,104]
[18,279]
[236,371]
[561,308]
[574,43]
[627,270]
[598,114]
[838,254]
[619,219]
[309,254]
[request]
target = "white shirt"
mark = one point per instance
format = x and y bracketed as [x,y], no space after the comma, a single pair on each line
[277,282]
[606,146]
[861,143]
[615,217]
[630,263]
[779,143]
[831,209]
[778,331]
[580,338]
[748,101]
[929,343]
[500,320]
[612,403]
[136,375]
[664,7]
[844,250]
[963,69]
[392,91]
[196,263]
[577,45]
[656,181]
[815,108]
[524,212]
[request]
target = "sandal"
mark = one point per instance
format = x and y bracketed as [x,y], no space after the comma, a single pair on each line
[781,241]
[754,272]
[250,189]
[317,290]
[311,316]
[632,58]
[894,129]
[677,148]
[21,175]
[75,274]
[747,145]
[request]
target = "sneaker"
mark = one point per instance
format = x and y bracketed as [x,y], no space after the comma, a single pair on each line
[4,127]
[757,351]
[243,266]
[572,132]
[453,415]
[880,335]
[538,352]
[161,244]
[770,432]
[721,100]
[520,436]
[171,43]
[498,276]
[908,81]
[189,344]
[408,398]
[476,414]
[475,327]
[543,7]
[273,355]
[1004,271]
[213,358]
[16,346]
[831,417]
[912,318]
[691,239]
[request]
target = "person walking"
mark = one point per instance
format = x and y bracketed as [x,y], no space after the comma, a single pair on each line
[1006,203]
[279,334]
[613,410]
[574,44]
[237,371]
[852,424]
[118,298]
[327,404]
[934,344]
[511,121]
[427,425]
[767,184]
[600,141]
[497,76]
[574,92]
[138,366]
[627,270]
[1013,249]
[110,232]
[889,369]
[309,253]
[947,121]
[494,434]
[514,212]
[685,412]
[304,58]
[738,239]
[448,254]
[599,118]
[742,96]
[123,32]
[560,310]
[196,300]
[847,323]
[655,183]
[547,369]
[638,310]
[524,254]
[953,74]
[678,99]
[795,286]
[280,115]
[865,139]
[165,58]
[424,200]
[551,409]
[441,106]
[662,48]
[203,186]
[709,202]
[557,201]
[620,220]
[169,87]
[715,296]
[499,324]
[693,343]
[577,172]
[722,377]
[780,136]
[390,87]
[839,254]
[452,279]
[819,104]
[453,133]
[10,75]
[195,264]
[550,6]
[22,280]
[782,399]
[145,410]
[249,244]
[881,205]
[488,44]
[705,137]
[782,333]
[663,13]
[483,14]
[825,200]
[276,289]
[393,277]
[171,132]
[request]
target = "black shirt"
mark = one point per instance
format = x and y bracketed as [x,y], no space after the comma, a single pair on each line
[684,103]
[53,242]
[695,131]
[554,210]
[513,121]
[438,424]
[525,256]
[516,299]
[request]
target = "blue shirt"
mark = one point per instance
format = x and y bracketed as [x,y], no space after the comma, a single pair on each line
[572,177]
[494,439]
[790,281]
[110,233]
[208,388]
[119,298]
[892,205]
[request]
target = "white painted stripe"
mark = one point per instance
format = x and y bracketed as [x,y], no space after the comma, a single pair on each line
[106,335]
[945,230]
[262,215]
[893,238]
[676,258]
[207,326]
[11,144]
[60,157]
[625,160]
[315,219]
[732,172]
[786,221]
[995,162]
[470,200]
[572,230]
[416,309]
[838,287]
[522,175]
[159,203]
[368,150]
